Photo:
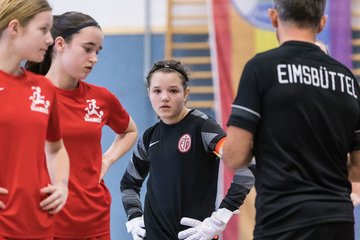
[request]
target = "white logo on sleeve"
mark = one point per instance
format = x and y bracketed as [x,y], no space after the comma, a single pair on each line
[39,104]
[92,113]
[184,143]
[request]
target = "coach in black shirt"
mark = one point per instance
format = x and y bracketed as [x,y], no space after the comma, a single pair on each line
[297,111]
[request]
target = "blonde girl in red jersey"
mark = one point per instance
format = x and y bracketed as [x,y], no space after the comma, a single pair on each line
[84,109]
[29,195]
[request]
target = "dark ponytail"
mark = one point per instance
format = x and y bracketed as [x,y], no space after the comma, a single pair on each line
[65,26]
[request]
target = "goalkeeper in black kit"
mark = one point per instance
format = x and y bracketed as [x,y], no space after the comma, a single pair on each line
[180,156]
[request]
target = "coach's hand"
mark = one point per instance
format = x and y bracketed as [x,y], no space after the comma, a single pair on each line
[137,228]
[206,229]
[3,191]
[56,198]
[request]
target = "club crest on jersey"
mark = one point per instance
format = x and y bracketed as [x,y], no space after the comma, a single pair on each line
[38,102]
[92,113]
[184,143]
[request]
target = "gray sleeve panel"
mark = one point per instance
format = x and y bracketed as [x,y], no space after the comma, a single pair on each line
[243,181]
[132,181]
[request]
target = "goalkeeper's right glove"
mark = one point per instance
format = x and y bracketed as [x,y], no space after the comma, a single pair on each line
[137,228]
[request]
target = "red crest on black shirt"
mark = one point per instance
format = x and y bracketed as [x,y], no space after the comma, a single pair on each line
[184,143]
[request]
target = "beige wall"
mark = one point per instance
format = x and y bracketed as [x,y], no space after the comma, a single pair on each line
[117,16]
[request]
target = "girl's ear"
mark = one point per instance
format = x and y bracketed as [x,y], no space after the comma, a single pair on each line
[186,93]
[14,27]
[59,44]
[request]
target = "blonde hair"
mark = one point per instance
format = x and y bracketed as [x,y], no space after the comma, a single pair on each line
[22,10]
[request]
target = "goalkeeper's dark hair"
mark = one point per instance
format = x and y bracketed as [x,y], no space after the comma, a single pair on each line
[170,66]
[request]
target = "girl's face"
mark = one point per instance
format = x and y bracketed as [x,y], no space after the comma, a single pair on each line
[168,96]
[35,38]
[81,54]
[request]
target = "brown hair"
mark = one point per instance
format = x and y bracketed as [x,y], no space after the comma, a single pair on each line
[170,66]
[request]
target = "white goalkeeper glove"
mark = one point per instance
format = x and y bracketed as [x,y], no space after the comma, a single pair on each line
[206,229]
[137,228]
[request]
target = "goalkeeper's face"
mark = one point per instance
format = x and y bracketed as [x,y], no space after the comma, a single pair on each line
[168,96]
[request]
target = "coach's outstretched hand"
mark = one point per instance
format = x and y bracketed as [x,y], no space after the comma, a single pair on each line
[206,229]
[137,228]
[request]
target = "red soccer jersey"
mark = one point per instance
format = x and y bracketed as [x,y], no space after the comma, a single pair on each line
[28,117]
[83,113]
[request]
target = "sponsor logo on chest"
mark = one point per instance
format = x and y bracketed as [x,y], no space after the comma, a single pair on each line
[184,143]
[38,101]
[93,112]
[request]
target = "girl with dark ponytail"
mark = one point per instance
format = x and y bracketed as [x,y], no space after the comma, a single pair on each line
[84,109]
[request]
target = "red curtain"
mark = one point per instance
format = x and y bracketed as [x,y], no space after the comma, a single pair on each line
[222,47]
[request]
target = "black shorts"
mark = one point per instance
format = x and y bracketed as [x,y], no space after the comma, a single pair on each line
[326,231]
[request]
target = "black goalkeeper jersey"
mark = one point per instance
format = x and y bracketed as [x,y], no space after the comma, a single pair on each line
[303,108]
[182,175]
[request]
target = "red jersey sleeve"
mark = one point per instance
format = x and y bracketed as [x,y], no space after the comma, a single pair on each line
[118,117]
[53,131]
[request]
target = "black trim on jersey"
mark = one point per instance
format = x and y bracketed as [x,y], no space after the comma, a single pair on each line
[249,118]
